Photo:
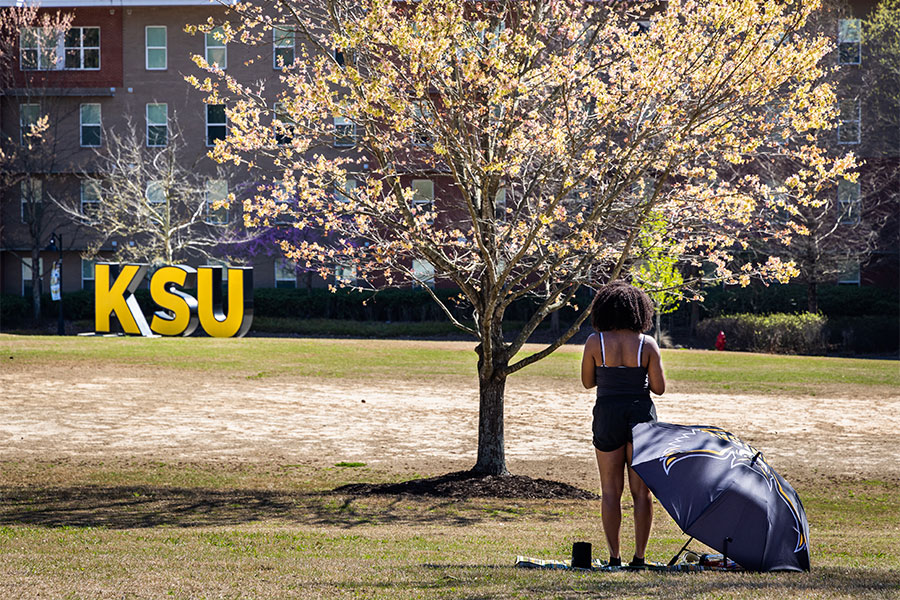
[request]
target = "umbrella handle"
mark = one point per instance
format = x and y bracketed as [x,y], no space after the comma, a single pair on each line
[725,552]
[675,558]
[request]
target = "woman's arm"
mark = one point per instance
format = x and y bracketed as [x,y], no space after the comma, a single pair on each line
[655,375]
[588,361]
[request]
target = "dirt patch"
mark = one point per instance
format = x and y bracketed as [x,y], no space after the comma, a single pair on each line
[408,427]
[466,484]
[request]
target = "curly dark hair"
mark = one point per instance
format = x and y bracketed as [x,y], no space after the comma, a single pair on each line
[618,305]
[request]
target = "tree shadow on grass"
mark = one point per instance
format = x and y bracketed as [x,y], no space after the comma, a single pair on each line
[821,582]
[126,507]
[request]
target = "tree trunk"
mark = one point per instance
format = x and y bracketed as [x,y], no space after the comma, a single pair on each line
[658,328]
[812,297]
[36,282]
[491,452]
[554,324]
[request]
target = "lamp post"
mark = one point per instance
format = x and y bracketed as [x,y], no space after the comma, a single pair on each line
[56,244]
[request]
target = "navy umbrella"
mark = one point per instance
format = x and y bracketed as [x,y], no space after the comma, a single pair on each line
[721,491]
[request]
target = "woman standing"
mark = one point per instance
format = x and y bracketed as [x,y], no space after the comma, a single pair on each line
[625,366]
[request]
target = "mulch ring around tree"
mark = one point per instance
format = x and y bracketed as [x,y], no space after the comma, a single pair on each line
[466,484]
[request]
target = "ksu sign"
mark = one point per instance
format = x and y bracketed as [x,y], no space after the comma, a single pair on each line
[114,287]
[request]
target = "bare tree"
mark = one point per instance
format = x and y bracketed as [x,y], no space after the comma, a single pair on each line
[153,205]
[32,152]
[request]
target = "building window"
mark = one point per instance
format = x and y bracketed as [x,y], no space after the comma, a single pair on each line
[29,115]
[423,272]
[421,117]
[156,56]
[32,198]
[339,57]
[850,274]
[26,275]
[849,51]
[285,274]
[500,204]
[848,202]
[343,194]
[87,273]
[423,194]
[283,42]
[216,262]
[345,274]
[344,132]
[90,125]
[82,48]
[90,199]
[216,193]
[216,123]
[38,49]
[281,125]
[216,53]
[157,125]
[848,124]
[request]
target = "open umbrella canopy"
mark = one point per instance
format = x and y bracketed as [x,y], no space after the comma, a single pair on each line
[721,491]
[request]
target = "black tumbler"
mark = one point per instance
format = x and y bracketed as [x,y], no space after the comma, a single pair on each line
[581,555]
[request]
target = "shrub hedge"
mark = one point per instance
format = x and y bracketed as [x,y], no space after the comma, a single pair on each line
[834,300]
[777,333]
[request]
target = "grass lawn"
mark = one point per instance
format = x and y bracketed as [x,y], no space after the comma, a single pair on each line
[127,527]
[694,370]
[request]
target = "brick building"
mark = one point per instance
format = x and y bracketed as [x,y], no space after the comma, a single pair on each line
[130,57]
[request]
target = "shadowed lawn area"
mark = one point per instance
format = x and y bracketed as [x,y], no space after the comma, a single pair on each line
[258,358]
[244,531]
[119,526]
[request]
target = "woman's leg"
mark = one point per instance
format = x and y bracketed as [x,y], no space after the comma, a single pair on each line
[643,508]
[612,482]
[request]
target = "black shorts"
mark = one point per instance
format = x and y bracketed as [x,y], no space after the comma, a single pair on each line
[613,421]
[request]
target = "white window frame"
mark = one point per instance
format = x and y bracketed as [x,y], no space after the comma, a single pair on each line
[41,49]
[86,184]
[345,274]
[85,262]
[208,124]
[35,184]
[209,217]
[423,272]
[286,34]
[855,275]
[81,48]
[500,204]
[82,125]
[350,184]
[851,124]
[149,124]
[148,48]
[282,266]
[851,215]
[344,140]
[26,272]
[419,201]
[207,37]
[279,189]
[22,123]
[420,138]
[850,32]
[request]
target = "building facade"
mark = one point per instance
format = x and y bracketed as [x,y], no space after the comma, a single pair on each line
[124,62]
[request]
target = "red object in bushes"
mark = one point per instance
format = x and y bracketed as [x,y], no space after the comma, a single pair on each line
[720,341]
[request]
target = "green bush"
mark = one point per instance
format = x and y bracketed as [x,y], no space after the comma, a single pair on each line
[834,300]
[14,310]
[865,334]
[775,333]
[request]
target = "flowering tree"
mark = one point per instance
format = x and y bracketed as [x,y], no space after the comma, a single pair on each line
[552,129]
